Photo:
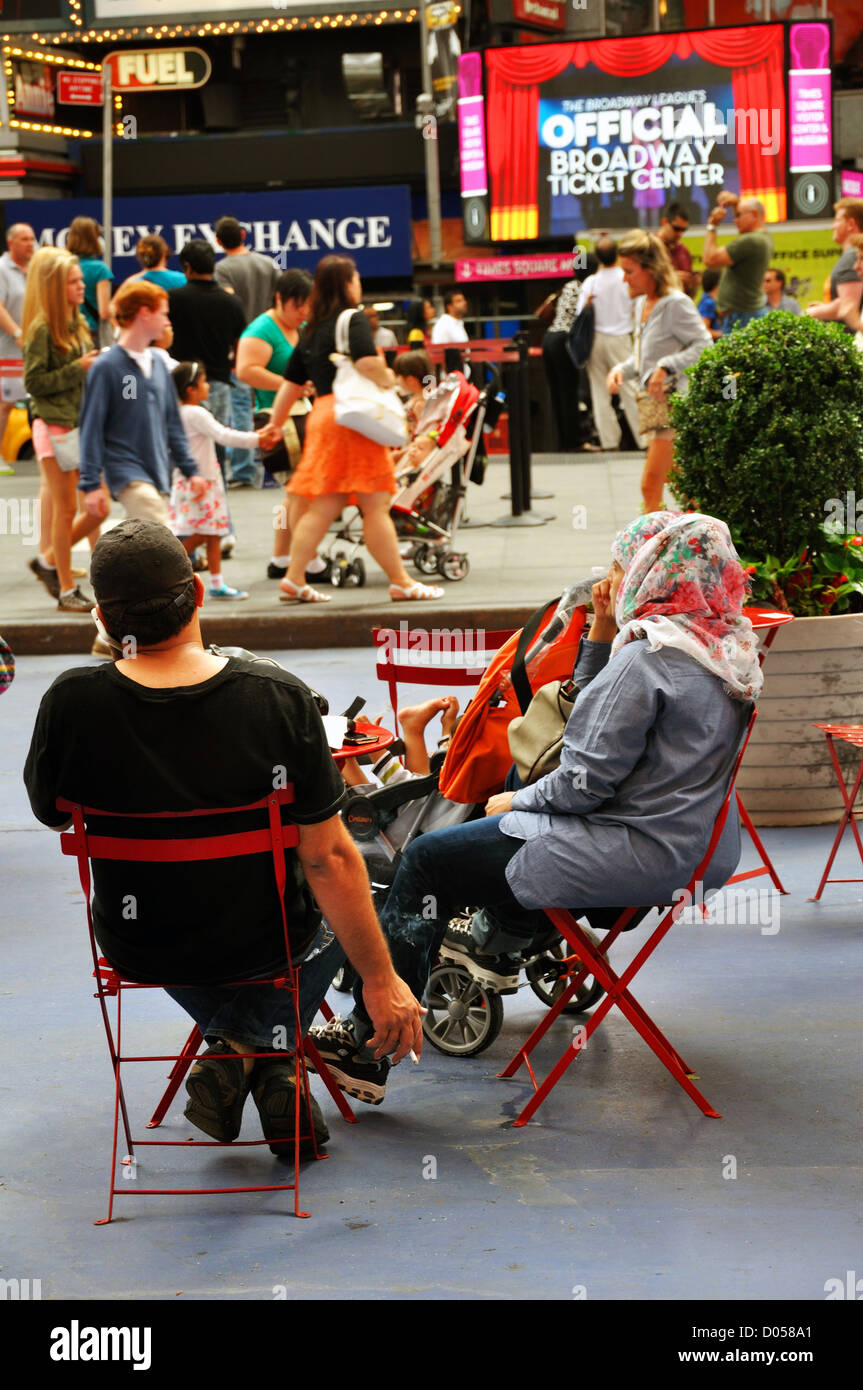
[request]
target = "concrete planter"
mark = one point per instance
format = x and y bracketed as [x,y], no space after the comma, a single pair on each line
[813,671]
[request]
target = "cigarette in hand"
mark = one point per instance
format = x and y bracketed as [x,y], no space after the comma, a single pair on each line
[414,1058]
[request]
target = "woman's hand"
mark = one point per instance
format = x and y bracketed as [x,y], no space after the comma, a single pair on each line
[656,386]
[603,628]
[88,359]
[498,805]
[614,380]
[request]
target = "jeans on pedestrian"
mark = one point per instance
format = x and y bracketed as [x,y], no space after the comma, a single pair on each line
[440,874]
[737,319]
[249,1014]
[243,465]
[220,406]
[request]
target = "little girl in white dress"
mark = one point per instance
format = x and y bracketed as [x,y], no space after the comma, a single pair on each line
[204,520]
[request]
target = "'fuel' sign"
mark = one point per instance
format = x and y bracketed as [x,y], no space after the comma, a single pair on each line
[158,69]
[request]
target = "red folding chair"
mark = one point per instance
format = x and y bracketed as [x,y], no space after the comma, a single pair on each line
[409,656]
[111,984]
[768,622]
[594,958]
[853,734]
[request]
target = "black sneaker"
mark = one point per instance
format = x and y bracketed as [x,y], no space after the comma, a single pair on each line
[76,602]
[320,577]
[274,1090]
[217,1088]
[356,1074]
[47,576]
[499,973]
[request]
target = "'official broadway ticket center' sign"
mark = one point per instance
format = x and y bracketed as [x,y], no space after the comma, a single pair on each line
[297,228]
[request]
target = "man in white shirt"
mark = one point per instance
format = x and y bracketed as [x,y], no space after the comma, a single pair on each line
[385,339]
[21,243]
[612,342]
[450,329]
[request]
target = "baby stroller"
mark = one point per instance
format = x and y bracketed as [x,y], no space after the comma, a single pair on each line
[428,505]
[464,1016]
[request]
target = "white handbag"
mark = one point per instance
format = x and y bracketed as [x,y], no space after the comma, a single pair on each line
[361,405]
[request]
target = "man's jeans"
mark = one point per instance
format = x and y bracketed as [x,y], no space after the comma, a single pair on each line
[243,466]
[735,319]
[440,874]
[251,1013]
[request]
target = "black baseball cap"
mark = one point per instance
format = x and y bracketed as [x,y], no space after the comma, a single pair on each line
[139,568]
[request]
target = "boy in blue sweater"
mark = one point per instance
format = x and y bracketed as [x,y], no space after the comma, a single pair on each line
[130,421]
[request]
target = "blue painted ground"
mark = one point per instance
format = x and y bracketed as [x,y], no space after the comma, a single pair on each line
[622,1188]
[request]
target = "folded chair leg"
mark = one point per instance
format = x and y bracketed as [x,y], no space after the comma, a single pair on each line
[324,1073]
[762,852]
[175,1076]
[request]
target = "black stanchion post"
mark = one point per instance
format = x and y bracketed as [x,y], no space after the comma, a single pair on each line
[518,404]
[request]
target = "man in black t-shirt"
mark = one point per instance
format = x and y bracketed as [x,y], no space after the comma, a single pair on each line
[172,727]
[207,322]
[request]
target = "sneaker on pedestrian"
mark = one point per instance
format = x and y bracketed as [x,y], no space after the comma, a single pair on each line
[76,602]
[237,483]
[274,1090]
[228,543]
[217,1088]
[355,1071]
[199,561]
[227,592]
[6,469]
[100,648]
[499,973]
[313,576]
[47,575]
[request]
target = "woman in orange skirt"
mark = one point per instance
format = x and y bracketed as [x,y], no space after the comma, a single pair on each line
[338,465]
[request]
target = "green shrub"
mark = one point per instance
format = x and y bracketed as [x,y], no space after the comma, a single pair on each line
[770,438]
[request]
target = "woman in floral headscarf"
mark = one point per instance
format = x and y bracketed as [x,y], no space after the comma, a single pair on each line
[666,679]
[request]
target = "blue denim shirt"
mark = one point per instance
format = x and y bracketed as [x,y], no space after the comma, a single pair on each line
[628,815]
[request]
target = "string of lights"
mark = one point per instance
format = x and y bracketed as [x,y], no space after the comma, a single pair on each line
[225,28]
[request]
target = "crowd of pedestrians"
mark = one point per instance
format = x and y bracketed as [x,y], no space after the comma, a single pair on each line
[640,351]
[249,347]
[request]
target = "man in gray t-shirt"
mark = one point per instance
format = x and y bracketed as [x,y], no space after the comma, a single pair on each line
[21,243]
[252,278]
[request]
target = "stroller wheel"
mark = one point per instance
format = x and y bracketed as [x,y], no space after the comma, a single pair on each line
[463,1018]
[344,978]
[355,574]
[548,980]
[453,566]
[339,572]
[425,559]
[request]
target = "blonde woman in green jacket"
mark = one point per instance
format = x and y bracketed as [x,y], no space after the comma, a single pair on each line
[58,354]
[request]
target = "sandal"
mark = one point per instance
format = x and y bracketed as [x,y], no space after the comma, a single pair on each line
[301,593]
[399,594]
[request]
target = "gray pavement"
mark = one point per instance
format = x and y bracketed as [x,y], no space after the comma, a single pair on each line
[512,569]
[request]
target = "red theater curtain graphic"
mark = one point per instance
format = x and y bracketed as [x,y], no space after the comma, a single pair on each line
[514,77]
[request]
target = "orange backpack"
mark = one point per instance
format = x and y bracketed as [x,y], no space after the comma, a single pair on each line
[478,757]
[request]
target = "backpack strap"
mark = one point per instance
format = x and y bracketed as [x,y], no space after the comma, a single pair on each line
[520,682]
